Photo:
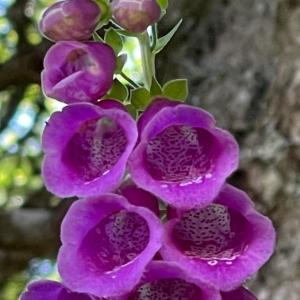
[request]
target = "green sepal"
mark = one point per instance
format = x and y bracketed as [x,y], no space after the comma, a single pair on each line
[163,41]
[121,61]
[140,98]
[118,91]
[155,89]
[113,39]
[97,37]
[105,13]
[176,89]
[163,4]
[132,110]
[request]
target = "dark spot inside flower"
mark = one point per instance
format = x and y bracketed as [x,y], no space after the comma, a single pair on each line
[214,233]
[167,289]
[182,154]
[117,239]
[95,148]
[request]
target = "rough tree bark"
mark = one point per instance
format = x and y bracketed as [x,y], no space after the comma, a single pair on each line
[243,62]
[242,59]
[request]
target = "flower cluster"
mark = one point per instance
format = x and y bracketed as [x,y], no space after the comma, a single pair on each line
[155,218]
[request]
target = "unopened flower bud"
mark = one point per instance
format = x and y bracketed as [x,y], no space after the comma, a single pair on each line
[70,20]
[135,15]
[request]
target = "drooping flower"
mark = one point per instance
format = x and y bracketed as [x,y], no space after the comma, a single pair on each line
[238,294]
[51,290]
[70,20]
[165,280]
[86,149]
[135,16]
[223,243]
[181,156]
[138,196]
[78,72]
[106,244]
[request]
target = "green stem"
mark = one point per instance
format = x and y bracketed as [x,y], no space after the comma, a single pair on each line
[148,59]
[129,80]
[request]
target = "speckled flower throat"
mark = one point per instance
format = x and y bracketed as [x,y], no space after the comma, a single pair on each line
[153,217]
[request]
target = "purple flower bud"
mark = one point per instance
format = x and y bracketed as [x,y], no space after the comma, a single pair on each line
[135,15]
[70,20]
[138,197]
[222,244]
[51,290]
[182,157]
[106,244]
[78,72]
[163,280]
[238,294]
[86,149]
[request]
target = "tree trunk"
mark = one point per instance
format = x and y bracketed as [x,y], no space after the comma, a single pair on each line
[242,59]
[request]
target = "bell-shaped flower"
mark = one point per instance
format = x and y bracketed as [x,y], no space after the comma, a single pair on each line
[182,157]
[51,290]
[164,280]
[106,245]
[238,294]
[223,243]
[70,20]
[135,16]
[86,149]
[78,72]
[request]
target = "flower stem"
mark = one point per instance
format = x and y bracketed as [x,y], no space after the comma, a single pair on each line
[148,59]
[129,80]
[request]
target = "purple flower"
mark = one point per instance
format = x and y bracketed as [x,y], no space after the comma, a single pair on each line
[163,280]
[78,72]
[86,149]
[51,290]
[239,294]
[135,16]
[138,196]
[70,20]
[106,244]
[182,157]
[222,244]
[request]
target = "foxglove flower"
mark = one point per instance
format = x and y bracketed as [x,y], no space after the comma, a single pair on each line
[70,20]
[106,244]
[222,244]
[238,294]
[138,196]
[163,280]
[78,72]
[181,156]
[51,290]
[135,15]
[86,149]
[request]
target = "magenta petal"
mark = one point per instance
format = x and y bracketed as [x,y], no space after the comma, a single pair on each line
[86,149]
[110,103]
[106,244]
[239,294]
[165,280]
[70,20]
[222,244]
[138,196]
[182,157]
[78,72]
[51,290]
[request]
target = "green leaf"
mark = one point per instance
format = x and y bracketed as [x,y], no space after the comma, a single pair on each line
[118,91]
[163,4]
[132,110]
[105,13]
[121,61]
[140,98]
[176,89]
[163,41]
[155,88]
[113,39]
